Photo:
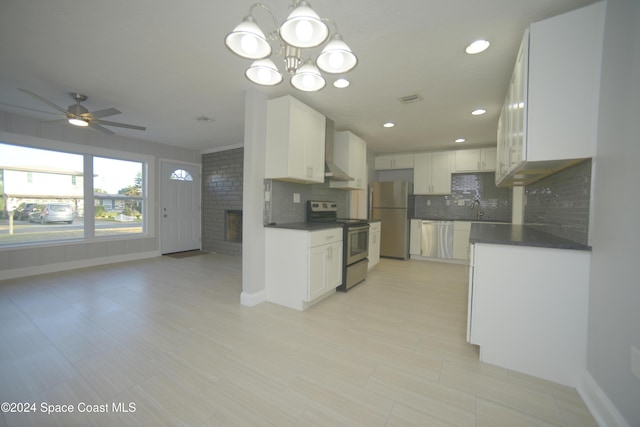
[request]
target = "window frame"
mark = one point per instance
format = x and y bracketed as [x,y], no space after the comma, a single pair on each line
[89,152]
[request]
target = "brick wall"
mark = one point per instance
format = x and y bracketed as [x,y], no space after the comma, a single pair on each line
[221,191]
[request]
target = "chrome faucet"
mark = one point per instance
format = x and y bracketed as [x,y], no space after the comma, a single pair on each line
[476,203]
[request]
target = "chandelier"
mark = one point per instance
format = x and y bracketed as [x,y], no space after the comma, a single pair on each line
[302,30]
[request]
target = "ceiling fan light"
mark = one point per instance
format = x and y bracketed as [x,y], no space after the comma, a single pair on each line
[78,122]
[247,40]
[308,78]
[336,57]
[264,72]
[303,27]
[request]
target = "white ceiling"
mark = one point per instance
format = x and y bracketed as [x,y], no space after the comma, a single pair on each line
[163,63]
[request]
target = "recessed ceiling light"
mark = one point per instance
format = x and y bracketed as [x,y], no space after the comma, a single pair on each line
[389,125]
[460,140]
[477,47]
[479,112]
[341,83]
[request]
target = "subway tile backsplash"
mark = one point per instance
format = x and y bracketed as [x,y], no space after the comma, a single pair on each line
[496,203]
[559,204]
[282,209]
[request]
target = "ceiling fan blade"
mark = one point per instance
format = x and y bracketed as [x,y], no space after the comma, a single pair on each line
[49,103]
[28,109]
[104,113]
[100,128]
[121,125]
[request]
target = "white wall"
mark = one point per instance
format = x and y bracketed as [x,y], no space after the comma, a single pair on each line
[44,258]
[614,308]
[253,234]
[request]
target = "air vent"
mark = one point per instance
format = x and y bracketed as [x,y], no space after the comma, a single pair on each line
[410,99]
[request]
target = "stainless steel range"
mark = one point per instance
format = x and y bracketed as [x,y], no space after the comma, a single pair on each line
[355,241]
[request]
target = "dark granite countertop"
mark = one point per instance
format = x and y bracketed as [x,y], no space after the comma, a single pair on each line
[305,226]
[520,235]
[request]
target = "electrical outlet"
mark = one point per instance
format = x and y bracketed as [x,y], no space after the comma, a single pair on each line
[461,202]
[635,362]
[267,196]
[296,197]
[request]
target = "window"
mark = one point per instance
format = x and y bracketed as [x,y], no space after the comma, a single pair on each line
[118,196]
[35,181]
[180,175]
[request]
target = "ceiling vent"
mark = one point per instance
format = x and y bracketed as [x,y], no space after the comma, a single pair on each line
[410,99]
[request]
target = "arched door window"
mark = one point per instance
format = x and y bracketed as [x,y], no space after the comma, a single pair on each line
[180,175]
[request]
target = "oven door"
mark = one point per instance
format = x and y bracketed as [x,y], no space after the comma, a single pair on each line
[357,243]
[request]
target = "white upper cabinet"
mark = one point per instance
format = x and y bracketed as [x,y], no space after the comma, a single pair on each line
[350,154]
[295,141]
[432,172]
[394,161]
[549,117]
[475,160]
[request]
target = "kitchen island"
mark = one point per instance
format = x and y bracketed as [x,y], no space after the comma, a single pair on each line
[528,301]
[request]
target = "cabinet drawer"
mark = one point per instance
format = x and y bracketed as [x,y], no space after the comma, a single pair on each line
[323,237]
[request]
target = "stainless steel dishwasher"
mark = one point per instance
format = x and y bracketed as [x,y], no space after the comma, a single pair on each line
[437,239]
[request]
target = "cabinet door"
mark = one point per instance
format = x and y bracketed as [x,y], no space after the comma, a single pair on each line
[468,160]
[383,162]
[374,249]
[416,236]
[441,168]
[488,159]
[317,271]
[403,161]
[350,154]
[295,141]
[422,173]
[461,241]
[333,268]
[394,161]
[309,126]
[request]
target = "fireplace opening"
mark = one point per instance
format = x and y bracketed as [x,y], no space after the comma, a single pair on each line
[233,226]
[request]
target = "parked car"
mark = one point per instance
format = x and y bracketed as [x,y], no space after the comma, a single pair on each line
[21,213]
[52,212]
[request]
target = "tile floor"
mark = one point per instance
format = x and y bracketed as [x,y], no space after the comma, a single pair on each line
[165,342]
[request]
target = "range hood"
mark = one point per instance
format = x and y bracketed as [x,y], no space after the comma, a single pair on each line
[331,170]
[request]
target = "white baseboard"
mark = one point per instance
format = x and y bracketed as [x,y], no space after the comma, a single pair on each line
[253,299]
[72,265]
[602,409]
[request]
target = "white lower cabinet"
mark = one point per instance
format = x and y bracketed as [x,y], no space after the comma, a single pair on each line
[302,267]
[375,229]
[415,237]
[461,232]
[528,309]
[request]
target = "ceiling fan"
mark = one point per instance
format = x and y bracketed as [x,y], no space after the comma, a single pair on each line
[78,115]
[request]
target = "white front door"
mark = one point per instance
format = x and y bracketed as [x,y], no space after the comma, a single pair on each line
[179,207]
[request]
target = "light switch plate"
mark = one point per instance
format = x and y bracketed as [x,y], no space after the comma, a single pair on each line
[267,196]
[296,197]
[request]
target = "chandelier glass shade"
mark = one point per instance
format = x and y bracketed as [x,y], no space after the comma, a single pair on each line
[302,31]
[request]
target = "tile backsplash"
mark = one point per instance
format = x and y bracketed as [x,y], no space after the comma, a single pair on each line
[559,204]
[282,209]
[465,187]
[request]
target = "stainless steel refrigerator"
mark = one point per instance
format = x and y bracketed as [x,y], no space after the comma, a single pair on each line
[392,204]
